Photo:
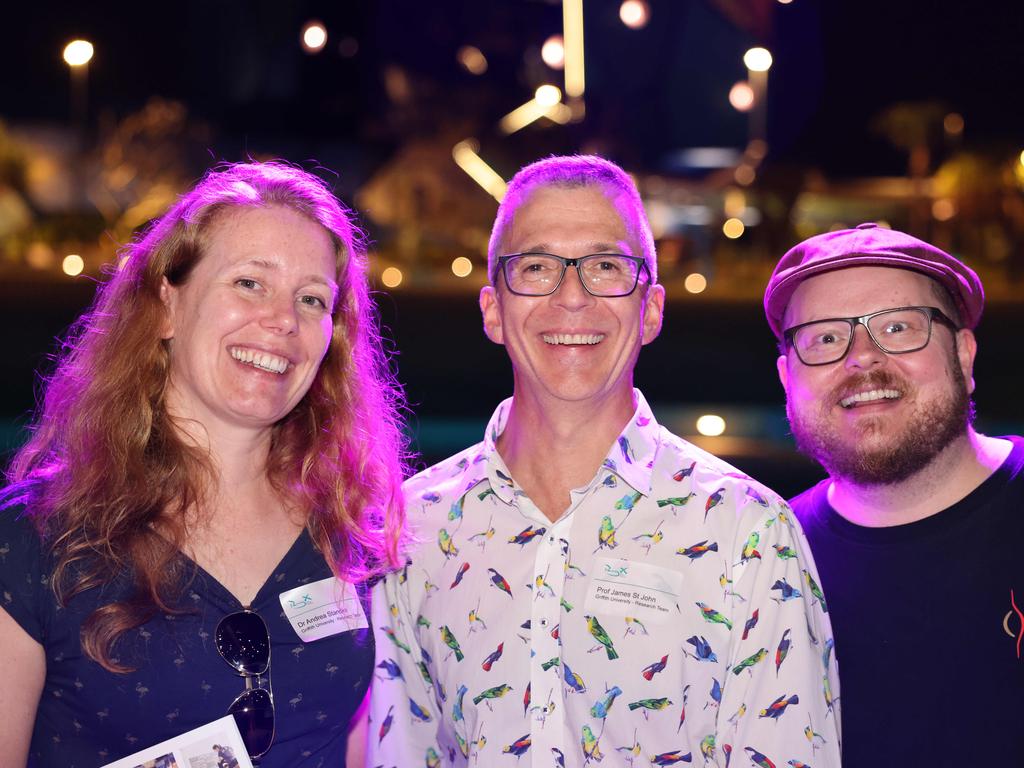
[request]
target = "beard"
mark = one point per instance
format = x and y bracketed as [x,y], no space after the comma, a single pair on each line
[931,426]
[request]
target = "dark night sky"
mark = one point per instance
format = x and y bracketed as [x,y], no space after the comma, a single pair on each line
[237,65]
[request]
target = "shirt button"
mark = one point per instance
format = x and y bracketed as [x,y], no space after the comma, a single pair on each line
[543,622]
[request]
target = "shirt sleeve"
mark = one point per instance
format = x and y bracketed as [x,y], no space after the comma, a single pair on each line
[24,579]
[780,697]
[403,709]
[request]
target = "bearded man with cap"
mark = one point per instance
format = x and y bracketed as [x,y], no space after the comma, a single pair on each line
[917,529]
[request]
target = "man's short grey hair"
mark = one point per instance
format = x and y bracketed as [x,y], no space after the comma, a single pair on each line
[569,172]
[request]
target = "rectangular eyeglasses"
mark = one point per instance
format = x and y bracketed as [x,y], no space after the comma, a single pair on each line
[607,275]
[894,331]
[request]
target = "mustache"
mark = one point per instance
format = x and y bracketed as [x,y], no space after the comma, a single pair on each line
[861,382]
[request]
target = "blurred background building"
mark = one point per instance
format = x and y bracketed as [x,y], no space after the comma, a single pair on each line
[748,124]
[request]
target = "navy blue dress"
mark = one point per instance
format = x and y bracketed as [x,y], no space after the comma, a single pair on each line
[88,716]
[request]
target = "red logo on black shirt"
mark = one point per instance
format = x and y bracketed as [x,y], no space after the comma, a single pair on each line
[1020,622]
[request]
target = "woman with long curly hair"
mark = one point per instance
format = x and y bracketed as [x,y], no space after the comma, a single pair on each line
[212,477]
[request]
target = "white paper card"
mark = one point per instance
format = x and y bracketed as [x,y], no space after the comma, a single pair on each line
[208,746]
[627,588]
[326,607]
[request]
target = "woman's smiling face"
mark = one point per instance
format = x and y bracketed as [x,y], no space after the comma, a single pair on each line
[251,324]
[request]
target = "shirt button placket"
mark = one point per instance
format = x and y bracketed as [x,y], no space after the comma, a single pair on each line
[547,723]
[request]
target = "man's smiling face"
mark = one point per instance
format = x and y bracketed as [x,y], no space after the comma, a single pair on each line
[872,417]
[570,345]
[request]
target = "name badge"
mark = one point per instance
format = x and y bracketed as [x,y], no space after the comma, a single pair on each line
[326,607]
[627,588]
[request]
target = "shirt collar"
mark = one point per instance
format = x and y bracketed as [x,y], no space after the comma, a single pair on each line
[631,456]
[633,453]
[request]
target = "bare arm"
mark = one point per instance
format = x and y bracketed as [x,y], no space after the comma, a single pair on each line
[24,664]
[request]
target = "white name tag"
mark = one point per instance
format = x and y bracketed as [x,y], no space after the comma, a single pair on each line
[627,588]
[323,608]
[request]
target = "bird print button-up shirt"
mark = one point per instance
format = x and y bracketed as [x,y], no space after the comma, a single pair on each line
[671,615]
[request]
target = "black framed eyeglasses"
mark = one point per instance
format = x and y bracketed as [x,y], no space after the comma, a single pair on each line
[243,641]
[606,275]
[894,331]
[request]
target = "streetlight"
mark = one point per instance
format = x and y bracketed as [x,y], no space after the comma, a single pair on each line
[758,61]
[77,55]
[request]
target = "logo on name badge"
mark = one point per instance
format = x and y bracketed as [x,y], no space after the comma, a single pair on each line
[306,600]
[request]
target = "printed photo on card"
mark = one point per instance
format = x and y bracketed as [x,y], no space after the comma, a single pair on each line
[214,745]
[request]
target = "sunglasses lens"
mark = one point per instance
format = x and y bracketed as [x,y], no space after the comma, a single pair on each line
[254,713]
[244,642]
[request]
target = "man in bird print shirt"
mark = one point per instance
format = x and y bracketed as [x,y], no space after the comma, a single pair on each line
[588,587]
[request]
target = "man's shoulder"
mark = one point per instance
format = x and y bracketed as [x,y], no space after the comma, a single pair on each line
[448,476]
[1014,463]
[811,503]
[710,469]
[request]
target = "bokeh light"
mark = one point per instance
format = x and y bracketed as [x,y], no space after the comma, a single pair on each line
[553,52]
[943,209]
[314,37]
[710,425]
[547,95]
[758,60]
[734,203]
[73,264]
[78,53]
[461,266]
[472,59]
[695,282]
[733,228]
[391,277]
[741,96]
[635,13]
[39,255]
[744,175]
[757,149]
[953,123]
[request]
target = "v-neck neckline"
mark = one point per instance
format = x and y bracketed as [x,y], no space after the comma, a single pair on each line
[229,597]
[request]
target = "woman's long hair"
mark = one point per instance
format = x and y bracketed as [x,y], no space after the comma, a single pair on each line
[107,479]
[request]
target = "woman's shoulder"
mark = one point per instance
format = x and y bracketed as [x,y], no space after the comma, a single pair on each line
[18,532]
[24,572]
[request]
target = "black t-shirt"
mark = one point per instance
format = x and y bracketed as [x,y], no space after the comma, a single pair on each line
[927,627]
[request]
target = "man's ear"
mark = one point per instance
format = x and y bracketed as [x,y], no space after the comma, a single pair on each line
[780,366]
[490,308]
[169,296]
[654,311]
[966,349]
